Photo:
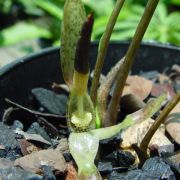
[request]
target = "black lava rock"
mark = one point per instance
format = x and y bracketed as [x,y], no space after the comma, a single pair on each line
[105,167]
[107,146]
[16,173]
[67,156]
[124,158]
[8,140]
[153,169]
[64,132]
[112,157]
[158,168]
[7,136]
[13,153]
[131,175]
[17,125]
[35,128]
[48,174]
[51,102]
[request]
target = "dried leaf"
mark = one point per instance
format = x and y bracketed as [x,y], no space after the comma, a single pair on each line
[33,137]
[137,133]
[172,124]
[162,78]
[159,89]
[34,161]
[138,86]
[105,87]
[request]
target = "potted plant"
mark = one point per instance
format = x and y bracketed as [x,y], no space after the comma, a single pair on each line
[87,114]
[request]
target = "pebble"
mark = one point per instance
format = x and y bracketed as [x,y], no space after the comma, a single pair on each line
[124,158]
[153,169]
[48,174]
[17,125]
[158,168]
[53,103]
[35,128]
[16,173]
[112,157]
[105,167]
[11,146]
[67,156]
[107,146]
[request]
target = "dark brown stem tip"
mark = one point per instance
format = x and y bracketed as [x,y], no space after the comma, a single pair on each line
[90,19]
[82,51]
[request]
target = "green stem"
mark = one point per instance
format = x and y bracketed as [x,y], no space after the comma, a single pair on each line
[105,133]
[130,55]
[160,119]
[134,118]
[103,48]
[80,105]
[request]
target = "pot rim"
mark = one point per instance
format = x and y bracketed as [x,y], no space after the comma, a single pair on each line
[25,59]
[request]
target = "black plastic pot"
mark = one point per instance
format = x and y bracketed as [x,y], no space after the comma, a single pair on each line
[43,68]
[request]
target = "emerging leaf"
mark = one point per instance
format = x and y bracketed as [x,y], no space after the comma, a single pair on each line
[73,19]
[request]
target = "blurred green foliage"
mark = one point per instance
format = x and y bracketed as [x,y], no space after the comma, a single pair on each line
[41,19]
